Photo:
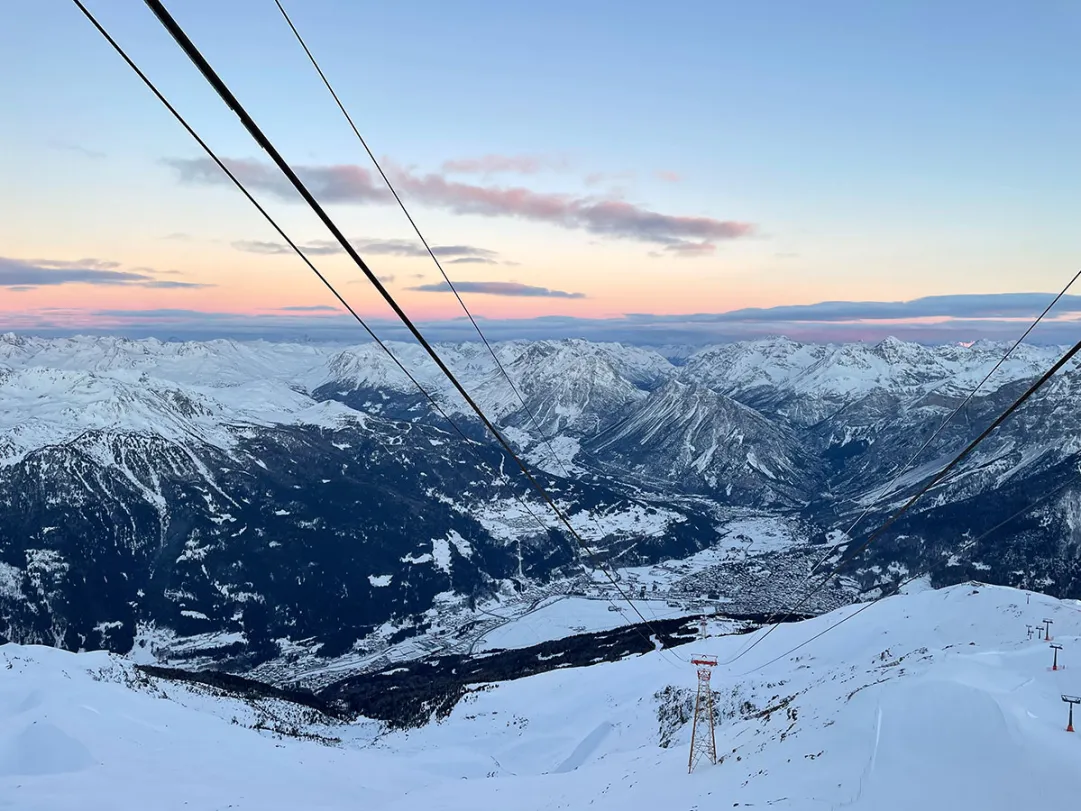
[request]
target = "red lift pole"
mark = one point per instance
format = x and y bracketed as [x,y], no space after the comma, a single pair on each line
[1047,630]
[1071,700]
[1056,649]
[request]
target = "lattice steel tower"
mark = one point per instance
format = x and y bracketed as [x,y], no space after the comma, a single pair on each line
[703,740]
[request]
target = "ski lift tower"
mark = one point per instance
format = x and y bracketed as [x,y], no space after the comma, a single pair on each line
[1056,649]
[703,739]
[1071,700]
[1047,630]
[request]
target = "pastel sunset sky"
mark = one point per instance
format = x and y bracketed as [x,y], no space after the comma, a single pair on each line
[603,162]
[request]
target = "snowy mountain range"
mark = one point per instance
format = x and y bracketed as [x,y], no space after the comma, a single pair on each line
[248,502]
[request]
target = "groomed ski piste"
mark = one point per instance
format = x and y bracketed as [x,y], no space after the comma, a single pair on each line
[928,700]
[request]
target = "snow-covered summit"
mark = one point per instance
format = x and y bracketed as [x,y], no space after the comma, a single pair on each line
[838,374]
[577,384]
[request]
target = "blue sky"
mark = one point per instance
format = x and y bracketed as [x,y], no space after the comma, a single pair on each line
[872,151]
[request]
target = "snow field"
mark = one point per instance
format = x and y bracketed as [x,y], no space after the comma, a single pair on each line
[573,615]
[931,700]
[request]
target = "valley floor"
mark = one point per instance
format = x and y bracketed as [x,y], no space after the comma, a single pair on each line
[929,700]
[759,560]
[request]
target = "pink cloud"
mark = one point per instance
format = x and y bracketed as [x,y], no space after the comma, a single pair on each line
[613,218]
[493,201]
[668,177]
[626,219]
[341,183]
[686,249]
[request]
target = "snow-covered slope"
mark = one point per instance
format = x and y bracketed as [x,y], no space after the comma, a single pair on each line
[573,386]
[689,436]
[743,367]
[47,406]
[935,700]
[57,389]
